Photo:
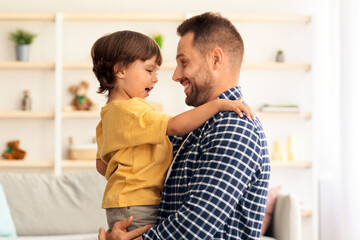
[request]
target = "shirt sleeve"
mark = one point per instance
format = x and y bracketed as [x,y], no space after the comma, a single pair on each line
[230,162]
[148,128]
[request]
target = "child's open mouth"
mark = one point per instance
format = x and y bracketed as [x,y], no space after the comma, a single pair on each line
[147,90]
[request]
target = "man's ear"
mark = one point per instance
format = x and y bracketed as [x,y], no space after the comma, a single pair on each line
[119,70]
[217,58]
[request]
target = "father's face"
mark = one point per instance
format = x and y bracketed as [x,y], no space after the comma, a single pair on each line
[193,72]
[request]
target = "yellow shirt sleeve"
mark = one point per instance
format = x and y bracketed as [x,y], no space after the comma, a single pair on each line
[148,128]
[130,123]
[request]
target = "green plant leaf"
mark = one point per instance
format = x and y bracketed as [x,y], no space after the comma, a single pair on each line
[21,37]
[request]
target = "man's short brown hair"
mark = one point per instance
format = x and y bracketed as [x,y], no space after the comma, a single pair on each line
[123,48]
[212,30]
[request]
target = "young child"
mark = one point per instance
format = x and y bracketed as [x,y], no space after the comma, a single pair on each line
[134,152]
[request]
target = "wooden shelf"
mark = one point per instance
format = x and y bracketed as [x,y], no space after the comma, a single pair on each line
[27,114]
[302,19]
[123,17]
[27,65]
[81,114]
[257,66]
[246,66]
[27,16]
[291,164]
[284,115]
[78,65]
[26,163]
[78,163]
[277,66]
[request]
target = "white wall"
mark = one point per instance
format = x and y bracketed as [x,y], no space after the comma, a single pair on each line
[262,40]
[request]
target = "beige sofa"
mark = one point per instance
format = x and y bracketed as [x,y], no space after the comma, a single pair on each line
[44,206]
[67,207]
[286,220]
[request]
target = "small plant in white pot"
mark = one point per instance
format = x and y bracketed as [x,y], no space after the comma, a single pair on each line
[22,40]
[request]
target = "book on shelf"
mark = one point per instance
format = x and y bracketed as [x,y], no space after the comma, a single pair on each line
[280,108]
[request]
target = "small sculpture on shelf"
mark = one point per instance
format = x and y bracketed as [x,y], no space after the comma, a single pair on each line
[80,101]
[278,151]
[26,101]
[13,152]
[280,56]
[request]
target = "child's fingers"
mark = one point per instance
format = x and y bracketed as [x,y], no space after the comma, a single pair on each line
[253,116]
[238,111]
[247,111]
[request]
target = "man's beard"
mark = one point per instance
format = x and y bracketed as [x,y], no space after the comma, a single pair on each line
[200,94]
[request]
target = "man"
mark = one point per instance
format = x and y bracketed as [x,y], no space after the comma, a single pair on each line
[217,185]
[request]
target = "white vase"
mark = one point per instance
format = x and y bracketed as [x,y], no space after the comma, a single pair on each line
[22,52]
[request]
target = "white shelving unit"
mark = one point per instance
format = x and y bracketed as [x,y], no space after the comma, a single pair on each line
[58,66]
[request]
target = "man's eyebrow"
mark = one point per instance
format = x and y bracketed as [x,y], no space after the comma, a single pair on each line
[179,55]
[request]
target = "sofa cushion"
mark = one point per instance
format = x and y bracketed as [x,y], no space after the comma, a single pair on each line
[44,204]
[92,236]
[7,227]
[286,222]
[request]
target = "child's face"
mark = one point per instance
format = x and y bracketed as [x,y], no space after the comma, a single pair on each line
[139,78]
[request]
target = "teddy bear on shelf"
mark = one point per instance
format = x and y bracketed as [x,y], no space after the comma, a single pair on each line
[80,101]
[13,152]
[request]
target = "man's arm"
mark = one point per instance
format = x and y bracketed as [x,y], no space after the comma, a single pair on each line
[231,157]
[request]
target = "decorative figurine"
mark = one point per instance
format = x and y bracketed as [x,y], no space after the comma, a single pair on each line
[26,101]
[278,151]
[80,101]
[13,152]
[290,148]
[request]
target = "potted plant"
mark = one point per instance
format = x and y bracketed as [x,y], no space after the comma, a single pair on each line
[22,40]
[158,37]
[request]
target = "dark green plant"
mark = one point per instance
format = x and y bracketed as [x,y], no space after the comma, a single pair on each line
[21,37]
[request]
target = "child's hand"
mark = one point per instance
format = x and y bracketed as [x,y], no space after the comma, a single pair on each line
[236,106]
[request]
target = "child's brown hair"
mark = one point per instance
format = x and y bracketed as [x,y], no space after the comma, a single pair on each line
[123,48]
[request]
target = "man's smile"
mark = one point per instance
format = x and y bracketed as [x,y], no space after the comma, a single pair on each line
[186,84]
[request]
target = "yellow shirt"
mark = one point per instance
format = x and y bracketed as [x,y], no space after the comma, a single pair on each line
[131,139]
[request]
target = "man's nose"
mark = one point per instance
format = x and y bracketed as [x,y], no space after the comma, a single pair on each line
[177,74]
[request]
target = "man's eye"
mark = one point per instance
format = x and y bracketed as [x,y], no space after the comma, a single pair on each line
[183,62]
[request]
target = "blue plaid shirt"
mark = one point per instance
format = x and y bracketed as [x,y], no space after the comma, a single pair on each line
[218,183]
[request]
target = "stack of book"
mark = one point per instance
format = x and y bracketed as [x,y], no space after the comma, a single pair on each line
[280,108]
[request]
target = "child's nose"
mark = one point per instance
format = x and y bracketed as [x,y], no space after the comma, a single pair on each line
[155,79]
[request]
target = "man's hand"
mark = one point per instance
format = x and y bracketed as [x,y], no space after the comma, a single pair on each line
[119,231]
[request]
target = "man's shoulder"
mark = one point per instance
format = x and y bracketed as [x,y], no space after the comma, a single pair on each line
[225,120]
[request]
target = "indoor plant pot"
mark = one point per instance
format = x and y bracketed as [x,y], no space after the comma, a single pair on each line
[22,40]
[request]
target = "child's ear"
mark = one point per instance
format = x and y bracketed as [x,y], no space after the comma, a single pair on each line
[119,70]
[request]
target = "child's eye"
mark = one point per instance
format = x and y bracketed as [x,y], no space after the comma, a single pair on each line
[150,71]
